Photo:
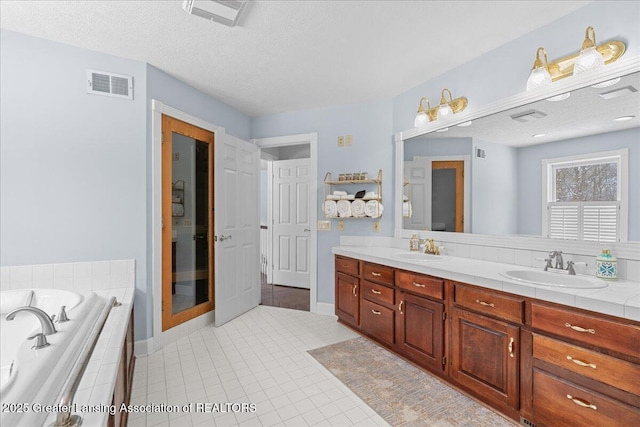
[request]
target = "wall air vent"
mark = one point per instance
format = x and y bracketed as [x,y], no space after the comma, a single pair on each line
[109,84]
[225,12]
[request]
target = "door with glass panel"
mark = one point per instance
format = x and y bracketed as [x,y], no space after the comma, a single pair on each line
[187,222]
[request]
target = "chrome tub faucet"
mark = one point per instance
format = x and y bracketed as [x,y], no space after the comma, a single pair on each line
[48,328]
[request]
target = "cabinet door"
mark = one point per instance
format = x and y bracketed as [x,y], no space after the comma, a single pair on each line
[420,331]
[347,301]
[485,356]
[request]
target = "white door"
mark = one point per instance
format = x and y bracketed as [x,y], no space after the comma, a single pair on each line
[291,222]
[237,227]
[418,172]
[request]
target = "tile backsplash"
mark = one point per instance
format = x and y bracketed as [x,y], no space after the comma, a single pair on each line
[79,276]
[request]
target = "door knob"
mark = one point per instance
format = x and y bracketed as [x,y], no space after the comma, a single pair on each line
[223,237]
[307,229]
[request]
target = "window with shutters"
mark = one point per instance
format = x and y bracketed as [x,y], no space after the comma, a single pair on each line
[585,197]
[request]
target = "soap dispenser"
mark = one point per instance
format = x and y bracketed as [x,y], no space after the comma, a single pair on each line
[414,243]
[606,265]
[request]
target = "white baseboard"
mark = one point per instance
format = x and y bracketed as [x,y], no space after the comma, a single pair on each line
[142,348]
[326,309]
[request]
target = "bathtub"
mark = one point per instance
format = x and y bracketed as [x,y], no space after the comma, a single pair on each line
[32,379]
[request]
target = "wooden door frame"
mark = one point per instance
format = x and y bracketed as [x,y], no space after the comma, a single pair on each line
[172,125]
[155,342]
[458,166]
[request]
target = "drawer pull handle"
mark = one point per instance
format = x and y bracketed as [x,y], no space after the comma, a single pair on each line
[345,265]
[420,285]
[376,292]
[354,290]
[581,363]
[582,403]
[376,312]
[511,347]
[579,329]
[486,304]
[400,307]
[373,273]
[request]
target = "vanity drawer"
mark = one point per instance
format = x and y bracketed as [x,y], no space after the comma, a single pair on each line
[377,293]
[347,265]
[420,284]
[377,321]
[505,307]
[587,328]
[597,366]
[377,273]
[557,402]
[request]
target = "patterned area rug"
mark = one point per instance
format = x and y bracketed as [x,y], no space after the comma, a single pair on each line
[399,392]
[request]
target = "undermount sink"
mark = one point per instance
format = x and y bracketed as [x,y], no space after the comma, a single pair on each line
[555,279]
[417,256]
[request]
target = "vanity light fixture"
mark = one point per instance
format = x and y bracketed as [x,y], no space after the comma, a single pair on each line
[443,110]
[606,83]
[540,75]
[624,118]
[424,116]
[442,130]
[591,56]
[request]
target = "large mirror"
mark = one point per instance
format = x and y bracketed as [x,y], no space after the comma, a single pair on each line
[540,169]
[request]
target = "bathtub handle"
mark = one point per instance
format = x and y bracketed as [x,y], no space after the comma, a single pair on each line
[41,341]
[71,385]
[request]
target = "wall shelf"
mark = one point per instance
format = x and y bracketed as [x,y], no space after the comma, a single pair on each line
[333,205]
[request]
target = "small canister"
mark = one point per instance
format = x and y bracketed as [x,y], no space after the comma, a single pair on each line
[606,265]
[414,243]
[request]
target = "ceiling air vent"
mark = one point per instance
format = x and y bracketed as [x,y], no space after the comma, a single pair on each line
[109,84]
[225,12]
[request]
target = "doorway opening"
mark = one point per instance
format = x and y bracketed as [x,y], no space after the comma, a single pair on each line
[288,205]
[187,222]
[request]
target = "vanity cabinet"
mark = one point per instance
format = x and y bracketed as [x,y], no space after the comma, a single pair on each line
[347,290]
[586,368]
[378,311]
[420,319]
[124,379]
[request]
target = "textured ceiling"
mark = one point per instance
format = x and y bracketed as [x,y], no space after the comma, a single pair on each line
[290,55]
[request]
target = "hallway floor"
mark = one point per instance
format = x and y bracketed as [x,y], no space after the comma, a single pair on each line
[261,358]
[284,296]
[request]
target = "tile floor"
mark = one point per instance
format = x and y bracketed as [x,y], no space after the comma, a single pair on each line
[261,358]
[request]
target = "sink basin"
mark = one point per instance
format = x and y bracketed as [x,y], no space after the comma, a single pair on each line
[417,256]
[558,280]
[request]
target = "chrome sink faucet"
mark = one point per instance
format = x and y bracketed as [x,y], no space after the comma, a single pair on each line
[557,255]
[48,328]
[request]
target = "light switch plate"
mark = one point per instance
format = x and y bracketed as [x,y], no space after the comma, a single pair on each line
[340,225]
[341,141]
[324,225]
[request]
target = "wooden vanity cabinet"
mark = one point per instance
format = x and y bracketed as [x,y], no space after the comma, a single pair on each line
[586,368]
[420,319]
[378,314]
[347,290]
[485,344]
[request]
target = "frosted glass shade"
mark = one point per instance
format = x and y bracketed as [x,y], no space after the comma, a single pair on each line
[444,111]
[539,77]
[421,119]
[589,59]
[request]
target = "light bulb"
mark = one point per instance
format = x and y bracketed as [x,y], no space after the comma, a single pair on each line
[589,59]
[444,111]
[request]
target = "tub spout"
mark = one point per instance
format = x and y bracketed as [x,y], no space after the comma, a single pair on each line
[48,328]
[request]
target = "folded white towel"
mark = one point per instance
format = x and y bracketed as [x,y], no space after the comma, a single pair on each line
[333,197]
[357,208]
[348,197]
[330,209]
[344,208]
[370,195]
[339,193]
[373,208]
[177,209]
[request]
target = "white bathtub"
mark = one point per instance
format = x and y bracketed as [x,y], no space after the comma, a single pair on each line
[29,377]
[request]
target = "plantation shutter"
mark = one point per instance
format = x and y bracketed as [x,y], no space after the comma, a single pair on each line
[591,221]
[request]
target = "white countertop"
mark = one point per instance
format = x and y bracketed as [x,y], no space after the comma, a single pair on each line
[620,298]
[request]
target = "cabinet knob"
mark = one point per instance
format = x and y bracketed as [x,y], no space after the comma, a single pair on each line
[373,273]
[354,290]
[485,304]
[511,347]
[419,285]
[400,307]
[376,292]
[579,329]
[376,312]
